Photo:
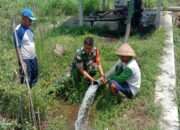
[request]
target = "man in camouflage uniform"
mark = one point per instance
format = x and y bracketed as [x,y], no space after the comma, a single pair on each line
[86,63]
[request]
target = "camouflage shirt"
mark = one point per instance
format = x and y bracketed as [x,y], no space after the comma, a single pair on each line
[85,61]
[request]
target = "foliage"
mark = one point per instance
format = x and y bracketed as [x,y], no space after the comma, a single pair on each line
[15,101]
[150,3]
[7,125]
[56,8]
[91,5]
[154,3]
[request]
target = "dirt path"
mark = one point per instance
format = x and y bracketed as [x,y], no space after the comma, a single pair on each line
[165,93]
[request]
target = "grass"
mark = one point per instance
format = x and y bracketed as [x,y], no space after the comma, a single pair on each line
[120,114]
[177,56]
[70,39]
[108,111]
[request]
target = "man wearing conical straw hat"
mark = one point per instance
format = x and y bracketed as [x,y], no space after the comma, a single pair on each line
[127,76]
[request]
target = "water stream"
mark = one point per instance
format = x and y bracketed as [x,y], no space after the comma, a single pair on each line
[81,122]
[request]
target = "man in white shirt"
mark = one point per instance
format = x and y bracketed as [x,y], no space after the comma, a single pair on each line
[26,45]
[127,76]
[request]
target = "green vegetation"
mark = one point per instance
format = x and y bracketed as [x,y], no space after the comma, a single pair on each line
[177,52]
[154,3]
[107,108]
[122,114]
[56,100]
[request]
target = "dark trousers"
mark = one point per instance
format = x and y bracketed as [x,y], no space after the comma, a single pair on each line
[32,71]
[124,88]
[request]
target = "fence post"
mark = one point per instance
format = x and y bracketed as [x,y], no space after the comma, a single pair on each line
[80,12]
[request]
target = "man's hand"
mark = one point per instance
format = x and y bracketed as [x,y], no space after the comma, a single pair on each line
[103,79]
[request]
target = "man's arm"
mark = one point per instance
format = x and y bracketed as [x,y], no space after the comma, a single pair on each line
[86,75]
[79,65]
[123,76]
[100,68]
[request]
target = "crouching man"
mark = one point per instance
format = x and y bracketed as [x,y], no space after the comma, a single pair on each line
[86,63]
[127,76]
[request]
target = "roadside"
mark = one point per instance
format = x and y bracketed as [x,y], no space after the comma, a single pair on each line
[165,92]
[177,54]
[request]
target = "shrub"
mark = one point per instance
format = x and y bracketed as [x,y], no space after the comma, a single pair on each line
[91,5]
[14,103]
[66,89]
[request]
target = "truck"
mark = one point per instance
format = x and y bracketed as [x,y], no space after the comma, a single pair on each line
[142,19]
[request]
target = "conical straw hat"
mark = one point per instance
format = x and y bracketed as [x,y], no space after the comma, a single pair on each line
[125,50]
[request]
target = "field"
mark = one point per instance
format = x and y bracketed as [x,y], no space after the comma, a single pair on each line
[57,101]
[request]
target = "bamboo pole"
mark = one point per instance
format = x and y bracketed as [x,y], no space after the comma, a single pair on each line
[39,119]
[129,20]
[81,13]
[159,8]
[103,5]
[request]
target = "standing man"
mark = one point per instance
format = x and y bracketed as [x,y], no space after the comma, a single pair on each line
[87,62]
[26,46]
